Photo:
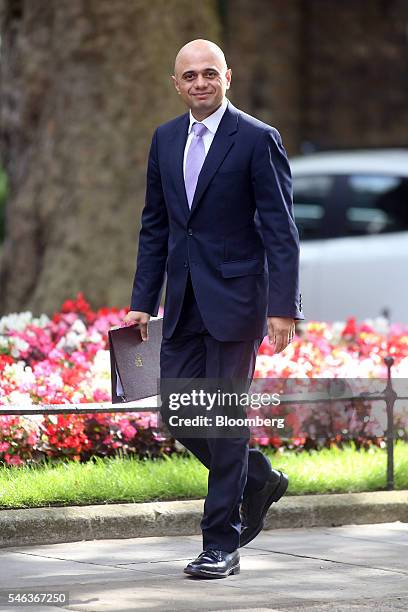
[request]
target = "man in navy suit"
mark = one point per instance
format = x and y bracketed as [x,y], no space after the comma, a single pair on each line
[218,219]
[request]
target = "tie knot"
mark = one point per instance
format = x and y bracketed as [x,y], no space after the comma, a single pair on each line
[198,129]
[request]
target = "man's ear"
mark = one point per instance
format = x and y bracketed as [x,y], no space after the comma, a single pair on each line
[228,76]
[175,83]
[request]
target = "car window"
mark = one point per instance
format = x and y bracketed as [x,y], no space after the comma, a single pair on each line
[376,204]
[310,194]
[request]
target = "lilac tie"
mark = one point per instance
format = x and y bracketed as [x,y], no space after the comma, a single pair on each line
[194,160]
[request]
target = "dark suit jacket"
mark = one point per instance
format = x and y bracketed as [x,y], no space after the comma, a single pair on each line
[239,240]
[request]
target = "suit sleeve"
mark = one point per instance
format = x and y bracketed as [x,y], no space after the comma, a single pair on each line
[272,187]
[153,242]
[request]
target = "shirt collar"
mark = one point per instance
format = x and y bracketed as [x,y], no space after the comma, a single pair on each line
[212,121]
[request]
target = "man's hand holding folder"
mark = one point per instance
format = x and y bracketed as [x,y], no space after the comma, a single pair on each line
[142,318]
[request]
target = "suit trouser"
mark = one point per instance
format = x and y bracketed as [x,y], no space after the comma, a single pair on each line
[192,352]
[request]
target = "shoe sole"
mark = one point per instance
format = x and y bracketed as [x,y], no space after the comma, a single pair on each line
[273,498]
[205,574]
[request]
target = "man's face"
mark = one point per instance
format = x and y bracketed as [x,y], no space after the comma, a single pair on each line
[201,79]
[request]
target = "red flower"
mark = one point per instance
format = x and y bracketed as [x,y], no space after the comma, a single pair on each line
[5,360]
[275,441]
[350,329]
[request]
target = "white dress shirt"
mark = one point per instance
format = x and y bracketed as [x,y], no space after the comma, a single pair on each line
[211,123]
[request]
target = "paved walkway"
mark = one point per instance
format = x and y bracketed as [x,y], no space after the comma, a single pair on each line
[357,567]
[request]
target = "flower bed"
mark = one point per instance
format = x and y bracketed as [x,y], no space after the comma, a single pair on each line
[65,359]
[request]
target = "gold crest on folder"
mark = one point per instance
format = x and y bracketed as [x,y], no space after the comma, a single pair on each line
[138,360]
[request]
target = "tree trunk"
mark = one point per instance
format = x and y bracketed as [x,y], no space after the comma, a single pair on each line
[264,47]
[326,74]
[83,85]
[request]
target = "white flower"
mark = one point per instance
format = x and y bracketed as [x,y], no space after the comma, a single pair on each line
[401,369]
[336,330]
[18,321]
[98,375]
[74,340]
[78,326]
[76,397]
[101,363]
[18,346]
[17,399]
[18,371]
[61,344]
[4,342]
[380,325]
[55,380]
[95,337]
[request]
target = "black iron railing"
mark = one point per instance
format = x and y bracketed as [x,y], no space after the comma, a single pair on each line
[388,395]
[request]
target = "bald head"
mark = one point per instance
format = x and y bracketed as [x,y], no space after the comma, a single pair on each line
[201,77]
[198,49]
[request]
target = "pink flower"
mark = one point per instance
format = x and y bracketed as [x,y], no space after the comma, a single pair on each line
[32,439]
[101,396]
[13,459]
[129,432]
[263,441]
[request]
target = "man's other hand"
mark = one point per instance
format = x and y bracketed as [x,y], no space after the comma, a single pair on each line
[280,331]
[142,318]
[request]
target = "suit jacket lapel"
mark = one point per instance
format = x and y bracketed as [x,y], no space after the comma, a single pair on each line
[220,146]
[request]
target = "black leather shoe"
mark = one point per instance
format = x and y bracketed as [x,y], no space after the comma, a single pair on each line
[255,505]
[214,564]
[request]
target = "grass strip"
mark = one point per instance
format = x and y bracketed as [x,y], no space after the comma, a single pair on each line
[127,479]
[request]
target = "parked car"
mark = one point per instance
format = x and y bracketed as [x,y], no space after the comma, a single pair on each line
[351,209]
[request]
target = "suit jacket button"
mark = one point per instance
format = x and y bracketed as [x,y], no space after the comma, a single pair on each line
[185,264]
[190,231]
